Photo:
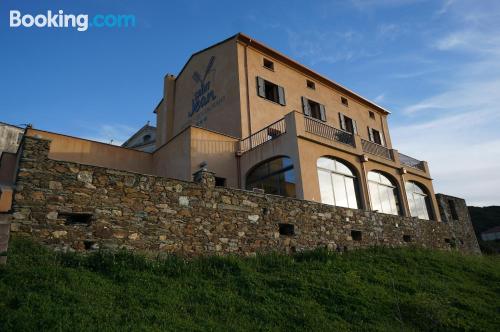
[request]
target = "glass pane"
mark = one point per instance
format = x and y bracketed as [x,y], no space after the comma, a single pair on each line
[374,196]
[411,203]
[392,199]
[325,187]
[374,176]
[339,190]
[385,180]
[385,194]
[326,163]
[351,193]
[341,168]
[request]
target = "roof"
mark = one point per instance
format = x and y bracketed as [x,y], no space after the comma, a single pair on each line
[492,230]
[294,64]
[145,127]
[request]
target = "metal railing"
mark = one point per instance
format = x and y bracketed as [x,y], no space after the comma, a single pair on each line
[319,128]
[376,149]
[411,162]
[267,134]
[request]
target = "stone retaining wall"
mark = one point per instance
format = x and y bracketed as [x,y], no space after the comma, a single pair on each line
[78,207]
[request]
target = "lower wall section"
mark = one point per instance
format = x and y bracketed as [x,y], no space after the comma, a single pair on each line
[73,206]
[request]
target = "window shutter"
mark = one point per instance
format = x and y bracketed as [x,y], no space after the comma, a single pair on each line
[322,113]
[382,141]
[370,134]
[342,121]
[281,95]
[354,127]
[305,106]
[261,91]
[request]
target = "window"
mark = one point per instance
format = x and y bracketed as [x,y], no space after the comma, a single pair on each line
[146,138]
[220,182]
[356,235]
[348,124]
[275,176]
[337,183]
[311,85]
[375,136]
[407,238]
[269,64]
[344,101]
[313,109]
[453,209]
[383,193]
[74,218]
[270,91]
[286,229]
[372,115]
[418,200]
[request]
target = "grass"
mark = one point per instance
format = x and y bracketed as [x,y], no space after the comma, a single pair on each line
[377,289]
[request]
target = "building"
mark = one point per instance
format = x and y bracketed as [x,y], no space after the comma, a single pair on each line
[260,120]
[239,120]
[143,140]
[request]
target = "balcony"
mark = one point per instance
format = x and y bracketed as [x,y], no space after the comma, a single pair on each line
[267,134]
[411,162]
[377,149]
[295,125]
[316,127]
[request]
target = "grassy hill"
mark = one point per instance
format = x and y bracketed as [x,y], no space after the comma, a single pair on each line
[378,289]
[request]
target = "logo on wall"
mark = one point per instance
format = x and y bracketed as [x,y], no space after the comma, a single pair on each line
[204,95]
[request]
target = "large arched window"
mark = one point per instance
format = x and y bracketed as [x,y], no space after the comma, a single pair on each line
[337,183]
[418,200]
[383,193]
[275,176]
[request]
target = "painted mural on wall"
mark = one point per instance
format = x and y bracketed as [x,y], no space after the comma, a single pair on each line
[204,98]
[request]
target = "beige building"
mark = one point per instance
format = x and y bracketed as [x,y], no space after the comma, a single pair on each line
[261,121]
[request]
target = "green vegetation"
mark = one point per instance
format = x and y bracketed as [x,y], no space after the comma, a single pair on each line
[377,289]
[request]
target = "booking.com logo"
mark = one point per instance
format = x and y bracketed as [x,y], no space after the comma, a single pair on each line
[61,20]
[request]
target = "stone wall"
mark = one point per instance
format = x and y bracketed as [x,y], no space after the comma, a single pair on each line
[78,207]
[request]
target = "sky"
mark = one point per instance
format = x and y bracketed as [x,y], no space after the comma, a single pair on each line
[434,64]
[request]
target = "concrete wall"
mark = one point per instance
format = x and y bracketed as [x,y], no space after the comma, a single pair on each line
[264,112]
[156,214]
[10,136]
[84,151]
[222,112]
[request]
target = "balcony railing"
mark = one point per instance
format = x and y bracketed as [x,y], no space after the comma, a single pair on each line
[318,128]
[376,149]
[267,134]
[411,162]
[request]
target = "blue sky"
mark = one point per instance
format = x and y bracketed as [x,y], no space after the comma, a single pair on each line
[434,64]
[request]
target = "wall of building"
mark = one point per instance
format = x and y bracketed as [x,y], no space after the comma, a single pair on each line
[84,151]
[156,214]
[222,112]
[264,112]
[10,136]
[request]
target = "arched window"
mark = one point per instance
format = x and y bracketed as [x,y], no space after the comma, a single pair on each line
[418,200]
[275,176]
[337,183]
[146,138]
[383,193]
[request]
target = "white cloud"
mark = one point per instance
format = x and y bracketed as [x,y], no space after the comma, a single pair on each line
[460,136]
[380,98]
[111,134]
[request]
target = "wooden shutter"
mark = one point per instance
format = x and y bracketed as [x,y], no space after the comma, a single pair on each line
[281,95]
[322,113]
[382,141]
[261,91]
[305,106]
[370,134]
[342,121]
[354,127]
